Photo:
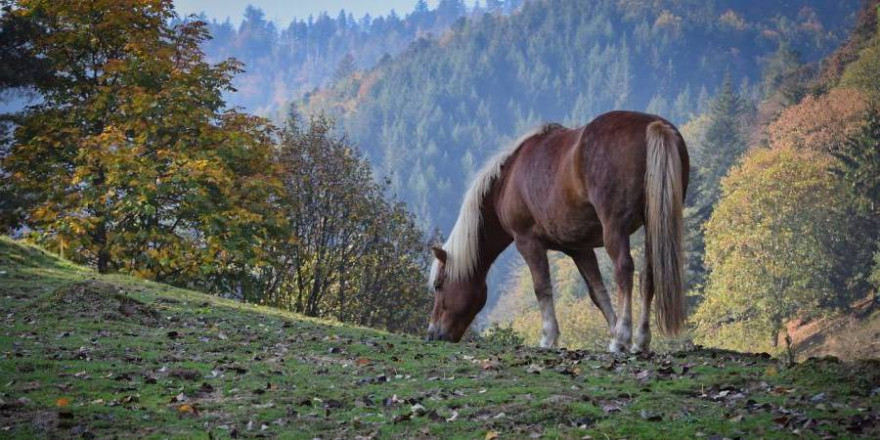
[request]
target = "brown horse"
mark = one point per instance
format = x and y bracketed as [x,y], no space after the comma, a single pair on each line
[573,191]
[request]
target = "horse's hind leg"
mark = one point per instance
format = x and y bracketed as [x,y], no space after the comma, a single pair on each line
[617,245]
[589,269]
[535,255]
[643,329]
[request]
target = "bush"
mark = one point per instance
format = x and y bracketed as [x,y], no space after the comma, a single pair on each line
[499,336]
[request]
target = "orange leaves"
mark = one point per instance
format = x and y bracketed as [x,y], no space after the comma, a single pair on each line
[44,213]
[820,123]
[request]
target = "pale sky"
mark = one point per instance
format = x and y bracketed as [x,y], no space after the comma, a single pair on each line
[282,12]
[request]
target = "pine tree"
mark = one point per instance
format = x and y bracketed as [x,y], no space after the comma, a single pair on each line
[859,167]
[780,73]
[345,68]
[724,144]
[421,7]
[494,6]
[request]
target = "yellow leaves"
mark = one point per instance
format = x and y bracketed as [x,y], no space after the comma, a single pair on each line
[669,22]
[182,185]
[44,214]
[77,228]
[187,410]
[491,435]
[769,247]
[732,20]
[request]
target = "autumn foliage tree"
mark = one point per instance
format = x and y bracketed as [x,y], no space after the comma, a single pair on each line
[771,248]
[821,123]
[131,160]
[354,254]
[795,233]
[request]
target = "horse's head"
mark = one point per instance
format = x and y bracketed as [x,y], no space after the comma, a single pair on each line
[456,302]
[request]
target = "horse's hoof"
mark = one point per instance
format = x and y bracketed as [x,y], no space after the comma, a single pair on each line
[616,347]
[547,343]
[635,349]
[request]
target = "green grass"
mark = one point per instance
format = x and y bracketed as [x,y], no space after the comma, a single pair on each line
[92,356]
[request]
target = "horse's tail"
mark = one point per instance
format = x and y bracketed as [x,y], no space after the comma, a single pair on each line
[664,200]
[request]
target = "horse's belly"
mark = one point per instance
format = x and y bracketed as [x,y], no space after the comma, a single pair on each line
[571,227]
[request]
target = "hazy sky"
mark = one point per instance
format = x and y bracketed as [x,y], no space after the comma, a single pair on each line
[283,11]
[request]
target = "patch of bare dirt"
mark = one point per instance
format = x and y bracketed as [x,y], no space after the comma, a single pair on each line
[841,336]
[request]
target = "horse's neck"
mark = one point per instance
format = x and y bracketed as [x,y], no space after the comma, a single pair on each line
[493,241]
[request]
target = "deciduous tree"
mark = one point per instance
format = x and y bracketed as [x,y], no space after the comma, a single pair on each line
[132,159]
[770,248]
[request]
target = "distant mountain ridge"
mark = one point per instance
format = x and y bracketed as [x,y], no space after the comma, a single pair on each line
[282,63]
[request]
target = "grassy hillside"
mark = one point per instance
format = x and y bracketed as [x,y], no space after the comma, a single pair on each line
[95,356]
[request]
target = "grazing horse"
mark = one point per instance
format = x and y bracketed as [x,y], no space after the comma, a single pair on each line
[573,190]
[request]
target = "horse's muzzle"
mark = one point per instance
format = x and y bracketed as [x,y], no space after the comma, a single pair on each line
[436,334]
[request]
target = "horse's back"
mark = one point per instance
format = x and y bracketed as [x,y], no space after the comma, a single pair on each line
[537,191]
[566,183]
[614,150]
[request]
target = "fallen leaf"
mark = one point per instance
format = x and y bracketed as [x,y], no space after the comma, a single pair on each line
[418,410]
[491,435]
[534,368]
[185,374]
[650,416]
[610,408]
[490,365]
[62,402]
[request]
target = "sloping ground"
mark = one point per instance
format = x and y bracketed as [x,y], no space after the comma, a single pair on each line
[855,335]
[88,356]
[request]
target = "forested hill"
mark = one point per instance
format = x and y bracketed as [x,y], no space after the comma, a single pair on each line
[282,63]
[430,116]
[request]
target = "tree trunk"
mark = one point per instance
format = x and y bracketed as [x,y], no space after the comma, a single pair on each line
[100,235]
[777,329]
[103,251]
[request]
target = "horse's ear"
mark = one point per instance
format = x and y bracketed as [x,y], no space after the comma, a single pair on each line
[439,253]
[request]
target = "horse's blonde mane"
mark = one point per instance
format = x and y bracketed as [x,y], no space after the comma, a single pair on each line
[462,246]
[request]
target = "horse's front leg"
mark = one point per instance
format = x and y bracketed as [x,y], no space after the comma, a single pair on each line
[617,245]
[535,255]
